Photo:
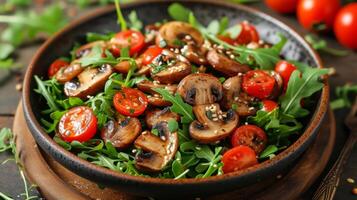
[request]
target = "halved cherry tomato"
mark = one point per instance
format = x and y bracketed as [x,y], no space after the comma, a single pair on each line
[285,69]
[79,124]
[314,13]
[248,34]
[346,26]
[269,105]
[56,66]
[226,39]
[238,158]
[282,6]
[250,135]
[258,83]
[130,102]
[129,38]
[150,54]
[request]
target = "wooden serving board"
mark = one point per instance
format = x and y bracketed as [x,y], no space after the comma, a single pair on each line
[56,182]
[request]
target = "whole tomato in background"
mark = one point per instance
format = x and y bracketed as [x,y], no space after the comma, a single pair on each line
[282,6]
[345,26]
[314,14]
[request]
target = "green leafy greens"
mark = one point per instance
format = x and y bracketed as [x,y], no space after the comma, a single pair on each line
[343,96]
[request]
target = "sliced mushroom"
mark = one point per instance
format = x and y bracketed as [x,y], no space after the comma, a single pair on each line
[90,81]
[195,54]
[157,151]
[212,124]
[225,65]
[278,87]
[175,31]
[198,89]
[151,32]
[154,98]
[70,72]
[170,67]
[124,66]
[233,94]
[155,116]
[87,48]
[121,134]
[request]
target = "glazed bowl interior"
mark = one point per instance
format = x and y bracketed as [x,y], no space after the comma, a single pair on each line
[103,21]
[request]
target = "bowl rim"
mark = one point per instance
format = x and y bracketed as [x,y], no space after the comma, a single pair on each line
[312,126]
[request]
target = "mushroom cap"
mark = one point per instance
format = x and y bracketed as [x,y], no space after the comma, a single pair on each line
[233,94]
[225,65]
[172,31]
[90,81]
[158,151]
[212,124]
[69,72]
[87,48]
[121,134]
[278,87]
[155,116]
[198,89]
[174,67]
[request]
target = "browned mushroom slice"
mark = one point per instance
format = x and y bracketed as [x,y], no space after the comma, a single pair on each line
[175,31]
[148,86]
[90,81]
[155,116]
[151,32]
[278,87]
[194,54]
[124,66]
[225,65]
[212,124]
[198,89]
[157,151]
[87,48]
[70,72]
[121,134]
[233,94]
[170,67]
[156,99]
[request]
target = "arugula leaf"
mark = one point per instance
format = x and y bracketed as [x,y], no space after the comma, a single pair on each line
[91,37]
[322,46]
[233,31]
[121,20]
[6,50]
[44,88]
[95,58]
[269,152]
[213,159]
[101,105]
[173,125]
[6,139]
[7,64]
[178,105]
[343,95]
[134,21]
[213,27]
[178,12]
[301,85]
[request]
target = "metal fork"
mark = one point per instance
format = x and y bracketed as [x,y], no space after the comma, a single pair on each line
[327,188]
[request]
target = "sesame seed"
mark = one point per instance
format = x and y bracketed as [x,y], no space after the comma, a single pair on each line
[279,176]
[350,180]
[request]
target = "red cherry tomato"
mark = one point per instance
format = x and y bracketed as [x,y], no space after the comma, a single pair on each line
[345,26]
[282,6]
[226,39]
[79,124]
[312,13]
[150,54]
[129,38]
[285,69]
[130,102]
[269,105]
[258,83]
[56,66]
[238,158]
[250,135]
[248,34]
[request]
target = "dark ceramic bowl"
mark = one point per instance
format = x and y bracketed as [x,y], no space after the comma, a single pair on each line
[104,20]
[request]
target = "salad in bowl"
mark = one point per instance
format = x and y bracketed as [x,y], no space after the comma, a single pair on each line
[177,99]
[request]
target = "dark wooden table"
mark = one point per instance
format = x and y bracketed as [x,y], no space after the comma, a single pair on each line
[11,183]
